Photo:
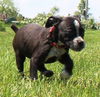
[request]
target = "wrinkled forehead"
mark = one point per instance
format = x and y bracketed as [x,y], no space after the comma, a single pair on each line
[70,21]
[71,24]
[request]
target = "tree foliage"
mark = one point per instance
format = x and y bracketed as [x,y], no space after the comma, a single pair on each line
[89,24]
[41,18]
[7,7]
[54,10]
[83,9]
[81,6]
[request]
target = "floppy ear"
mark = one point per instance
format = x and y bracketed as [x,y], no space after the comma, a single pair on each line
[52,21]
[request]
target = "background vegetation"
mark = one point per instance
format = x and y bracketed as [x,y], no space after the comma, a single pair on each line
[8,9]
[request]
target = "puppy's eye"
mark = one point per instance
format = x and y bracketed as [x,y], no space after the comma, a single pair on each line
[82,32]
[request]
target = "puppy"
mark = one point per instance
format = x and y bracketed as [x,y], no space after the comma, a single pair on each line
[48,44]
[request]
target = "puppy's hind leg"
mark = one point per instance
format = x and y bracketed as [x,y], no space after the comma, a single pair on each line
[20,62]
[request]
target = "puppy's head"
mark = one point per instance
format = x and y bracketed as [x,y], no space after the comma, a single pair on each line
[70,31]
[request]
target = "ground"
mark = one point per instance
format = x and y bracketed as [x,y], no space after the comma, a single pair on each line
[85,81]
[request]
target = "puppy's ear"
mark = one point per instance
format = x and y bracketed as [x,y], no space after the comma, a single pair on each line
[52,21]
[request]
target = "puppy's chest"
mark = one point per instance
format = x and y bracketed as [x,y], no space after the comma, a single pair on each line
[55,52]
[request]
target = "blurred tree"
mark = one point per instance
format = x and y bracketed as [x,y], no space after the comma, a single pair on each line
[20,17]
[77,13]
[41,18]
[89,24]
[54,10]
[7,7]
[83,8]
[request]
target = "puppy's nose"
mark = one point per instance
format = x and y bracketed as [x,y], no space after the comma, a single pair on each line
[81,43]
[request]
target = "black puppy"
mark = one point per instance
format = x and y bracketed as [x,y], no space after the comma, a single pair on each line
[48,44]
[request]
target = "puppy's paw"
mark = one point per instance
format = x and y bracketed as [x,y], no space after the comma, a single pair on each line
[48,73]
[65,75]
[33,78]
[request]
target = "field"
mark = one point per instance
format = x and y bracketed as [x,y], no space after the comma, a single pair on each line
[85,81]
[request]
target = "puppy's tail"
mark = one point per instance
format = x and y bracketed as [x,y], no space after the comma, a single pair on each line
[15,29]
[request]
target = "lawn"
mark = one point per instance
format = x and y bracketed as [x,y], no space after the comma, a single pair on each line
[85,81]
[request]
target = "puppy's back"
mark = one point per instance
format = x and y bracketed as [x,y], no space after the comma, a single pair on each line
[27,38]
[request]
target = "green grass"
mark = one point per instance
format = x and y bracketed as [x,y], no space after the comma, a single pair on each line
[85,81]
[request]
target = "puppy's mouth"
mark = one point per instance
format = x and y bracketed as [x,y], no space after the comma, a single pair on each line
[77,44]
[76,48]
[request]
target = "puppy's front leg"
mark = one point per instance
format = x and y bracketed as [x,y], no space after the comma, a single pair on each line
[68,63]
[33,69]
[38,59]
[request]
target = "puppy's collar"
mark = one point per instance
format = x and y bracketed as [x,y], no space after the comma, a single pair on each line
[52,29]
[54,44]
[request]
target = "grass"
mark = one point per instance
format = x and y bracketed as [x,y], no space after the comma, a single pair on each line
[85,81]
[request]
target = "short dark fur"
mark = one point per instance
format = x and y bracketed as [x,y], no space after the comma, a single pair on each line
[32,41]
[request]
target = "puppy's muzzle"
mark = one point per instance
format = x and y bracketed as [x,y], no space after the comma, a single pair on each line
[77,44]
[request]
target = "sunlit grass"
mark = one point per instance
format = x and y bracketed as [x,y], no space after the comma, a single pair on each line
[85,81]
